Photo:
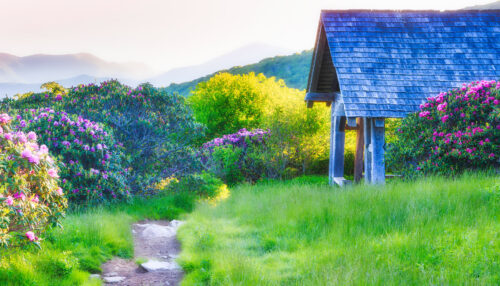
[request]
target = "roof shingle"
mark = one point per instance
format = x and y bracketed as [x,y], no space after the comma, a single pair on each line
[388,62]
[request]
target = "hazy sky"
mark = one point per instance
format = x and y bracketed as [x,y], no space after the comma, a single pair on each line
[170,33]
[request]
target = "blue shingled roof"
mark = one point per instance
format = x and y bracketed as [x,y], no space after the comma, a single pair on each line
[388,62]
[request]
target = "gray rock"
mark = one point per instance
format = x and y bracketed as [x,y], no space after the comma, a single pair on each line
[176,223]
[158,231]
[110,274]
[115,279]
[95,276]
[155,265]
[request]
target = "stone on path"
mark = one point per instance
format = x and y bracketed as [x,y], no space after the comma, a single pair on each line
[114,279]
[155,241]
[176,223]
[155,265]
[158,231]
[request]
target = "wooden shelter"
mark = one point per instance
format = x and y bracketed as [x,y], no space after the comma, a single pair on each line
[372,65]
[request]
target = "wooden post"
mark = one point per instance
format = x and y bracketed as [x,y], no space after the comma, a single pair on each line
[378,152]
[337,141]
[360,145]
[367,124]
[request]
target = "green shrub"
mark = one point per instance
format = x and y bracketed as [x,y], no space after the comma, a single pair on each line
[204,185]
[30,198]
[93,165]
[59,264]
[227,103]
[156,128]
[233,157]
[455,131]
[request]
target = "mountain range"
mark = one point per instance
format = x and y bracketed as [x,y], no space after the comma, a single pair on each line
[23,74]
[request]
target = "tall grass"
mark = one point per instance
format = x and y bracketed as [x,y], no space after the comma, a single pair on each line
[89,238]
[433,231]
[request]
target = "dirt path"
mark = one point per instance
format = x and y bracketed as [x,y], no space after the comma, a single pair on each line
[156,248]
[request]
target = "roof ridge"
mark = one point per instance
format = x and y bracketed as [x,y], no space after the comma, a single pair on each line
[407,10]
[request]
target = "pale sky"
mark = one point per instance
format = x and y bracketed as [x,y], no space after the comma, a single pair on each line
[170,33]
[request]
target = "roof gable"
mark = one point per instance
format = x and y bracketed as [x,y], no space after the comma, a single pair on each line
[388,62]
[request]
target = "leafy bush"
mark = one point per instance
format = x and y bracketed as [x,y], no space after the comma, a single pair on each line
[455,131]
[227,103]
[204,185]
[232,157]
[30,198]
[155,128]
[93,162]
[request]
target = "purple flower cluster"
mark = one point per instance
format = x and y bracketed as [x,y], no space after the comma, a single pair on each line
[239,139]
[91,156]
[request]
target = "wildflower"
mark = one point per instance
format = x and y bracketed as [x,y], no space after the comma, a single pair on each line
[59,191]
[31,236]
[19,196]
[5,118]
[32,136]
[9,201]
[53,173]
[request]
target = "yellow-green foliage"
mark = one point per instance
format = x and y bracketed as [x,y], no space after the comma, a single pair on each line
[54,88]
[226,103]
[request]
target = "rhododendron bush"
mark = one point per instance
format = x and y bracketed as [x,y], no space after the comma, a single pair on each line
[30,197]
[233,157]
[455,131]
[156,128]
[93,169]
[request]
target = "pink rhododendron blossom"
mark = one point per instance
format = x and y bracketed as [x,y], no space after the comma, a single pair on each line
[442,106]
[19,196]
[5,118]
[32,136]
[31,236]
[9,201]
[53,173]
[59,191]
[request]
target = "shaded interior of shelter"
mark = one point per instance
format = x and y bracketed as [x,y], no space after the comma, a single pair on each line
[326,80]
[323,86]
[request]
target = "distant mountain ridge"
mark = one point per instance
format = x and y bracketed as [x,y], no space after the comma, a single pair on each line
[493,5]
[23,74]
[42,68]
[293,69]
[243,56]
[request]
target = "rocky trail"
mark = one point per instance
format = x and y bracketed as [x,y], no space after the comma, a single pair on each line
[155,250]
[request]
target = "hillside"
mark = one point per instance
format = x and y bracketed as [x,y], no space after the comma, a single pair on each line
[245,55]
[293,69]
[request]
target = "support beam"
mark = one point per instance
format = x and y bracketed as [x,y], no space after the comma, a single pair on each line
[360,145]
[378,152]
[351,122]
[367,124]
[337,141]
[327,97]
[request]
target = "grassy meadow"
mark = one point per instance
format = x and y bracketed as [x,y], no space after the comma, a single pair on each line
[303,232]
